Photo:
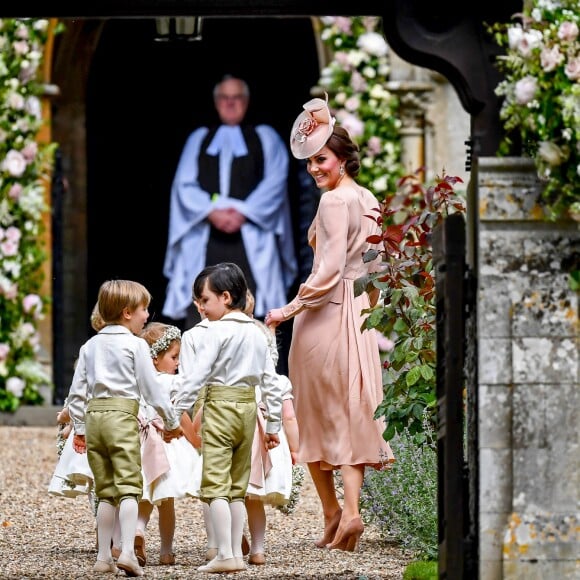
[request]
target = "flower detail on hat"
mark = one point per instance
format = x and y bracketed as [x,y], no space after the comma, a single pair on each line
[312,128]
[305,128]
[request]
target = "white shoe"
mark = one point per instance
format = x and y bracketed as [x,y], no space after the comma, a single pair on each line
[217,566]
[130,565]
[104,567]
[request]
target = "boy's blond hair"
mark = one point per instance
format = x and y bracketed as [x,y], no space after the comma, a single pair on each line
[116,295]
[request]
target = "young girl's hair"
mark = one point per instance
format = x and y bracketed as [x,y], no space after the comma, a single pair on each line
[97,321]
[160,336]
[250,303]
[116,295]
[223,277]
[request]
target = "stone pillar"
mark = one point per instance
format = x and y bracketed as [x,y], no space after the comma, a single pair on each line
[529,395]
[413,99]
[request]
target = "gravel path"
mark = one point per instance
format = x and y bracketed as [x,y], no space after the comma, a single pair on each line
[47,537]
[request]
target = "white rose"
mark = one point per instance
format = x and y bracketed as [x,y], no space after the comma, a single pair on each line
[515,35]
[551,153]
[15,101]
[15,385]
[373,43]
[369,72]
[14,163]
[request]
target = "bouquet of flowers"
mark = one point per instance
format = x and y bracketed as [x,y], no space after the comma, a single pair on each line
[298,473]
[541,95]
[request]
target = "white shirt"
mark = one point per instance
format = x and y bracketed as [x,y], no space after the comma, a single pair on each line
[231,352]
[116,363]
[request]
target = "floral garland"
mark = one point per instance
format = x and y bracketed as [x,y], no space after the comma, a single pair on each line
[170,334]
[541,92]
[24,164]
[356,81]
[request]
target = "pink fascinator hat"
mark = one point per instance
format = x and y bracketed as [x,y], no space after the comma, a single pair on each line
[312,128]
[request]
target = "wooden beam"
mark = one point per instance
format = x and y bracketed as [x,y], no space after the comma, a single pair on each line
[152,8]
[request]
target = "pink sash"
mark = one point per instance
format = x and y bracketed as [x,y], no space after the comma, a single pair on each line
[153,457]
[261,462]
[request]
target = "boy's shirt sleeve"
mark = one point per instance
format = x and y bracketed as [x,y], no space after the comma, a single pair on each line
[272,391]
[78,394]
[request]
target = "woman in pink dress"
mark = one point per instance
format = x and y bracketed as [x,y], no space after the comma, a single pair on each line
[334,366]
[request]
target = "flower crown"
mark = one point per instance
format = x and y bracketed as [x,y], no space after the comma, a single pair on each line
[162,344]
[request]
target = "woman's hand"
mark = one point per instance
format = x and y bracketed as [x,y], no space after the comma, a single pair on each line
[274,317]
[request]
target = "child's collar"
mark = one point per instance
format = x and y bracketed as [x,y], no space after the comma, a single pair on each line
[237,315]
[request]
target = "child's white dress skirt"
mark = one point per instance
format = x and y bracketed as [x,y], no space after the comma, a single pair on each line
[72,475]
[182,479]
[276,486]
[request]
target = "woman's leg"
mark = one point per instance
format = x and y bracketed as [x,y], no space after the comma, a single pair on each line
[324,483]
[350,527]
[352,480]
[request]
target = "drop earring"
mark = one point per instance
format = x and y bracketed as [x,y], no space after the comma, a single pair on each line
[341,170]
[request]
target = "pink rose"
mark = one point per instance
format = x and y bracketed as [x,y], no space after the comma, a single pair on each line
[525,90]
[9,248]
[568,31]
[551,58]
[14,163]
[4,350]
[30,150]
[32,303]
[15,191]
[572,69]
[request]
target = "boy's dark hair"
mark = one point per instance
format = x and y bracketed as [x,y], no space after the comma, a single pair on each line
[222,277]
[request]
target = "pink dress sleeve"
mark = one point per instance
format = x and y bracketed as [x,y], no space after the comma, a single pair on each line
[330,251]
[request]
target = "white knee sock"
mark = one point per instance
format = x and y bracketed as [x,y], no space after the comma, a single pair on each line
[221,520]
[117,530]
[105,525]
[211,537]
[238,511]
[128,509]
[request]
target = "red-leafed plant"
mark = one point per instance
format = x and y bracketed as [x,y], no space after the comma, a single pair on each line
[406,311]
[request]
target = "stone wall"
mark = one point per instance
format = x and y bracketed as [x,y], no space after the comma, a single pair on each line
[528,381]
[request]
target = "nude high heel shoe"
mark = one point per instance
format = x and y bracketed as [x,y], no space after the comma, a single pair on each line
[349,537]
[329,530]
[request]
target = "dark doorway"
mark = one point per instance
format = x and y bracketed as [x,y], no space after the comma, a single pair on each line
[145,97]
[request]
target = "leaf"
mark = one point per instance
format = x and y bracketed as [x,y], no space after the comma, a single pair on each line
[370,255]
[413,376]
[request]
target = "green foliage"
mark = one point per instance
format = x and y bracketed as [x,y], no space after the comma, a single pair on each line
[402,500]
[421,571]
[541,95]
[24,169]
[406,312]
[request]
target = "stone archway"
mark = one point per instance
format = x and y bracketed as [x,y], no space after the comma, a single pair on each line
[125,107]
